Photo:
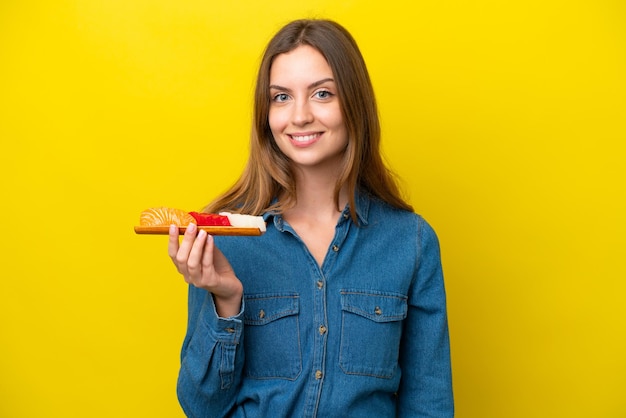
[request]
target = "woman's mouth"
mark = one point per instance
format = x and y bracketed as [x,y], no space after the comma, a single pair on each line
[303,139]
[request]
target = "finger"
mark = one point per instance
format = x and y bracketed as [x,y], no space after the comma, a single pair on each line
[207,254]
[172,246]
[186,243]
[194,261]
[182,255]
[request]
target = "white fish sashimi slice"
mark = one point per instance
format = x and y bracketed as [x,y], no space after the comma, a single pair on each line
[245,221]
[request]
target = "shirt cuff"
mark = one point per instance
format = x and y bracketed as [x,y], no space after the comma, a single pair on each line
[225,330]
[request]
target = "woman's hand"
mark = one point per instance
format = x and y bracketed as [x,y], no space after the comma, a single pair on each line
[203,265]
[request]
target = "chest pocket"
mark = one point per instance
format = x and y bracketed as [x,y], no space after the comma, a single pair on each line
[371,328]
[272,336]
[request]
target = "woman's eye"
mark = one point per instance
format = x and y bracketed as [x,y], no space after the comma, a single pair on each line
[323,94]
[281,97]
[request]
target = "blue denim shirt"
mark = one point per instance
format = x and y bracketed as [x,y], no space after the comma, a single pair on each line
[365,335]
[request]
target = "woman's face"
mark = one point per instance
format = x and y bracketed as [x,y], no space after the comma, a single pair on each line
[304,116]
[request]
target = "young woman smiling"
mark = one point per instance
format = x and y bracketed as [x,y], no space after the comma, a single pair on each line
[339,308]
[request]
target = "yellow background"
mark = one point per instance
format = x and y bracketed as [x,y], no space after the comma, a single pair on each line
[506,120]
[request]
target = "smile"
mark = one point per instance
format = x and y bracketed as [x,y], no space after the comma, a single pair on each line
[305,139]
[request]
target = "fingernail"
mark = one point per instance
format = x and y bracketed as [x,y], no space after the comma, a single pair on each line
[172,229]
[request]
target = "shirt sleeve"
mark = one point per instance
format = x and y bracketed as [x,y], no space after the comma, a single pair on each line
[426,383]
[211,359]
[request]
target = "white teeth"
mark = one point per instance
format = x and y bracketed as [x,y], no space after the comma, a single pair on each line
[303,138]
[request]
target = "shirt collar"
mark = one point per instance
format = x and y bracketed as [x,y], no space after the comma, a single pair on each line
[361,200]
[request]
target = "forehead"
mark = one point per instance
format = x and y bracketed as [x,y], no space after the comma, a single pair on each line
[303,63]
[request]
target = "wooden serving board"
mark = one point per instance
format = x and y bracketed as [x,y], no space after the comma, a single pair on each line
[211,230]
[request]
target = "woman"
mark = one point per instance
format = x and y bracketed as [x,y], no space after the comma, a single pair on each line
[339,308]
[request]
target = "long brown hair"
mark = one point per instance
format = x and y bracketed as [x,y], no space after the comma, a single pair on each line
[268,174]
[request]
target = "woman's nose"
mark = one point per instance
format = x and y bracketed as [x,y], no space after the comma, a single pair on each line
[302,113]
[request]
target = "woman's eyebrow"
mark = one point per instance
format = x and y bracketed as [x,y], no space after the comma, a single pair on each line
[277,87]
[320,82]
[312,85]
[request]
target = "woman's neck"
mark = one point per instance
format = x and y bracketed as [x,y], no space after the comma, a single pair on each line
[316,197]
[314,217]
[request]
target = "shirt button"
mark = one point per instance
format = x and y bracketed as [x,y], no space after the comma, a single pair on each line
[378,311]
[320,284]
[335,248]
[230,330]
[322,329]
[261,314]
[318,374]
[346,215]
